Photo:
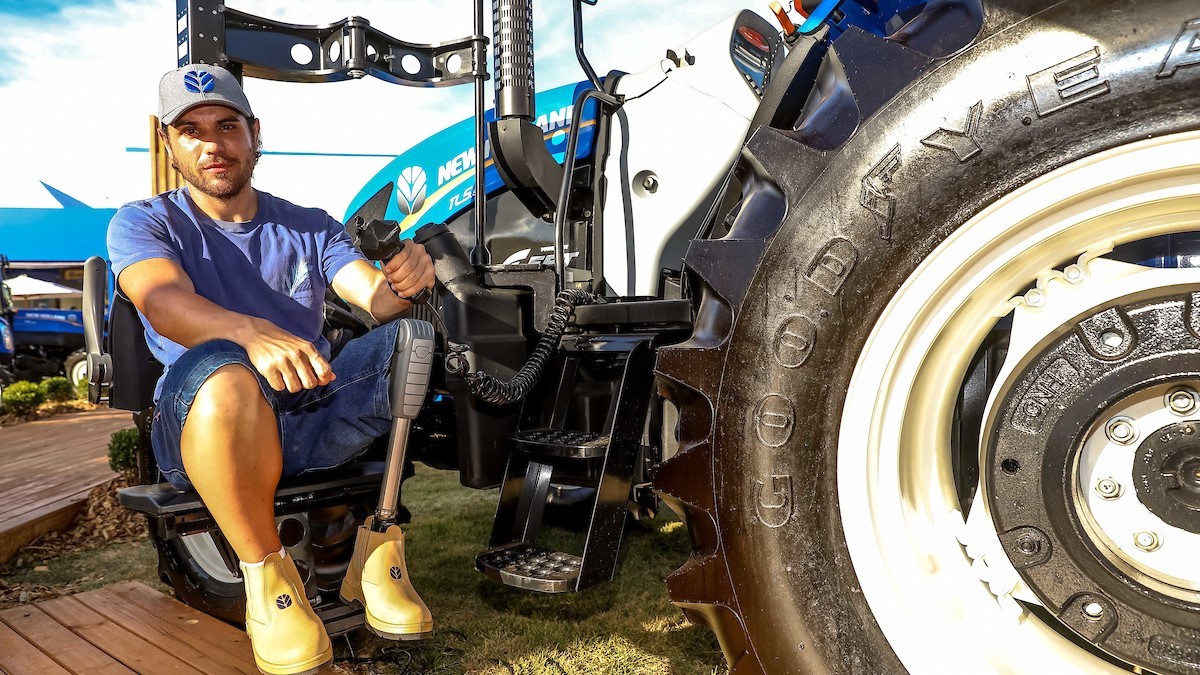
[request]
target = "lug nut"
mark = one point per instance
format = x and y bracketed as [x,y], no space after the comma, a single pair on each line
[1029,545]
[1147,541]
[1073,273]
[1108,488]
[1120,430]
[1181,400]
[1093,610]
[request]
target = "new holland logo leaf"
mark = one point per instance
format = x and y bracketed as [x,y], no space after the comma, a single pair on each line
[396,574]
[410,190]
[284,601]
[198,81]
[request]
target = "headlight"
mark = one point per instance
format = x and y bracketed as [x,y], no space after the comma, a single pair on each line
[6,337]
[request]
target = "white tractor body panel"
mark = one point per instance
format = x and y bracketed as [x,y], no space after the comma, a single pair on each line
[671,146]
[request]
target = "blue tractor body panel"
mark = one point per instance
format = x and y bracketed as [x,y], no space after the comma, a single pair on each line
[434,180]
[32,326]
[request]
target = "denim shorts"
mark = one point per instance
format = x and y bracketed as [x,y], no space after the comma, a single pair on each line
[319,428]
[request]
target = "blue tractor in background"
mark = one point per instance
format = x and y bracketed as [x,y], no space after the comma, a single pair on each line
[39,342]
[7,341]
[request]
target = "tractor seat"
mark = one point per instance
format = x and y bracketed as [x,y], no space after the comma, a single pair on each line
[133,376]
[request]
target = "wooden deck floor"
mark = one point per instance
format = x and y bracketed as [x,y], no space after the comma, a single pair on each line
[47,468]
[124,628]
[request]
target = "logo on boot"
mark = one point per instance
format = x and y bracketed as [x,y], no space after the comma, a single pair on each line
[396,573]
[284,601]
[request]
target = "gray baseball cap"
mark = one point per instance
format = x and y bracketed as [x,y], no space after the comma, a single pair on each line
[198,84]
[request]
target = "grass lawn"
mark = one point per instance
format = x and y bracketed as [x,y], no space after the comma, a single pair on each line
[624,626]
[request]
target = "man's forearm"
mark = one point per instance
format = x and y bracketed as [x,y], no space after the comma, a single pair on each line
[385,305]
[188,319]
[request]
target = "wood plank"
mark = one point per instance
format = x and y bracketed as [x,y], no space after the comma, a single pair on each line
[29,478]
[73,491]
[50,467]
[50,518]
[18,657]
[213,631]
[36,471]
[45,495]
[66,648]
[119,643]
[180,639]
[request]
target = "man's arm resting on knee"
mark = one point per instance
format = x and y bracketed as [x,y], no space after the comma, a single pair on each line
[164,293]
[362,284]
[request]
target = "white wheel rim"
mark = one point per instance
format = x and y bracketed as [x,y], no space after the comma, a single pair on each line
[78,373]
[204,551]
[897,495]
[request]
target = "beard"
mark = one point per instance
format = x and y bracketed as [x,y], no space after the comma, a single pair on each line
[235,179]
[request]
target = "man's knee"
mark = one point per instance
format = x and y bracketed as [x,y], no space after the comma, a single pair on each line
[232,391]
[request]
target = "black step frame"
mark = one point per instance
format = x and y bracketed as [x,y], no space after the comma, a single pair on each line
[530,474]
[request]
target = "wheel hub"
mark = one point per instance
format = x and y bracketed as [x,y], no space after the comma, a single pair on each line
[1167,473]
[1093,478]
[1132,511]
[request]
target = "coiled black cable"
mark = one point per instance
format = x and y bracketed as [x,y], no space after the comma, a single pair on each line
[488,388]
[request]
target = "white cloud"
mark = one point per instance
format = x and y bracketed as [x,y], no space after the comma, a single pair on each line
[82,86]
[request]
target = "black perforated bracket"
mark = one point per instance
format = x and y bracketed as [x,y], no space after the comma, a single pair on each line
[211,33]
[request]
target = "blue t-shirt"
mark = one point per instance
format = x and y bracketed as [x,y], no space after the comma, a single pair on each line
[275,267]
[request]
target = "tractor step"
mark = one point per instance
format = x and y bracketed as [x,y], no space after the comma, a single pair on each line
[531,568]
[338,617]
[549,457]
[561,443]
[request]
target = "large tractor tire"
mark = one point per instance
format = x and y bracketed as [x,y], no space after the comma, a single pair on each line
[847,514]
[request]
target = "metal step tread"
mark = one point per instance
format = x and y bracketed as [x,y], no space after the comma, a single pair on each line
[562,443]
[338,617]
[531,568]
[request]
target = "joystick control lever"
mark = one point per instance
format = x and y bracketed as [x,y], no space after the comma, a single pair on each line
[380,240]
[412,363]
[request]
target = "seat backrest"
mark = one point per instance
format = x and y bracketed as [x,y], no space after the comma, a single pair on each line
[135,370]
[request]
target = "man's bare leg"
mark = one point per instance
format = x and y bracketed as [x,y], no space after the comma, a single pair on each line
[232,454]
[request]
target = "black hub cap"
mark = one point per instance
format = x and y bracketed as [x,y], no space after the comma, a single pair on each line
[1166,472]
[1061,398]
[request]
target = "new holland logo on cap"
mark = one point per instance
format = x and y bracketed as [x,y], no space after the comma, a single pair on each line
[198,81]
[198,84]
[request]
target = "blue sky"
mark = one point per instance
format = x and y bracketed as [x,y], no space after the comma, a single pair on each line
[78,82]
[37,7]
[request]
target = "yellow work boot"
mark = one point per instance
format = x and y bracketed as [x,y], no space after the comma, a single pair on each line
[378,581]
[287,636]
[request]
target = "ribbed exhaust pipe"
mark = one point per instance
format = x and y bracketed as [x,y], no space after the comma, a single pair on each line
[512,47]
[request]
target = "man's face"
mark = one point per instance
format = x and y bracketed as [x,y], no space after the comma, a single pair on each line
[214,148]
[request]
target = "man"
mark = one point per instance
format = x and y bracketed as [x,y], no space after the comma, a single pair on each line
[229,282]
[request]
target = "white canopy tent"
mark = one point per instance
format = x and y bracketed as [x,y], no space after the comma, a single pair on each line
[25,287]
